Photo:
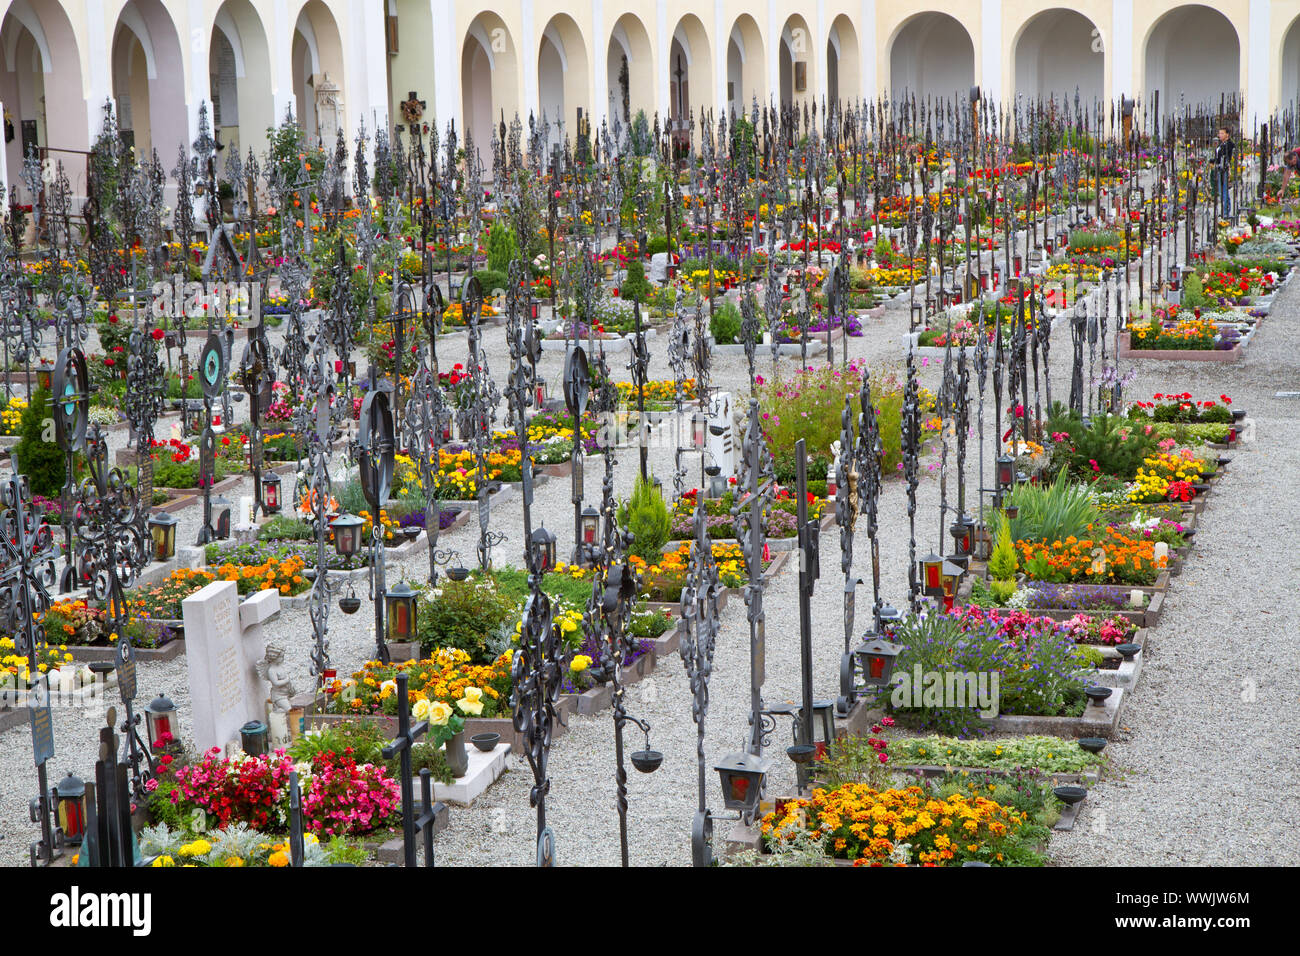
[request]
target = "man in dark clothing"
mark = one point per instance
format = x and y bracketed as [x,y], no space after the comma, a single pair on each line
[1223,169]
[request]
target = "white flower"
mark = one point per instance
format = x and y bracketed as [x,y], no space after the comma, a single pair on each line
[303,769]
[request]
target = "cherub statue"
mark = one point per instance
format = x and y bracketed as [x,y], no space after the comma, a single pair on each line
[272,670]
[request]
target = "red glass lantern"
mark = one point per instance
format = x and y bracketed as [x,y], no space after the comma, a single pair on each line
[400,614]
[877,657]
[931,567]
[70,808]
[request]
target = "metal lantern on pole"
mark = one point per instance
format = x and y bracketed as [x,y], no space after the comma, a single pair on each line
[877,657]
[348,530]
[160,717]
[401,613]
[162,531]
[70,808]
[271,483]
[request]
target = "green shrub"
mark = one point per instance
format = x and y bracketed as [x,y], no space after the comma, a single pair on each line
[468,615]
[647,517]
[1001,590]
[1194,293]
[367,742]
[41,461]
[285,527]
[1002,562]
[725,324]
[657,244]
[1110,445]
[502,248]
[635,286]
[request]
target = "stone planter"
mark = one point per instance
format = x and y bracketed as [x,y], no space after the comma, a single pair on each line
[1179,355]
[84,654]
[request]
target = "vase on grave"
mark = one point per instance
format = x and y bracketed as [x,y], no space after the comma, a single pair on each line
[457,755]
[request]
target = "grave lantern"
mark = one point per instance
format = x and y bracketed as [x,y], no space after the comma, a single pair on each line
[543,545]
[347,535]
[400,614]
[1006,472]
[159,715]
[590,525]
[931,567]
[70,808]
[742,780]
[252,738]
[162,529]
[543,392]
[271,492]
[698,422]
[950,576]
[962,531]
[877,657]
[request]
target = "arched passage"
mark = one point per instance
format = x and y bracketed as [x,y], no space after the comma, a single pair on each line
[932,55]
[562,78]
[489,74]
[1054,58]
[318,73]
[1193,56]
[40,81]
[1290,70]
[797,63]
[843,64]
[146,59]
[746,65]
[690,72]
[239,65]
[631,71]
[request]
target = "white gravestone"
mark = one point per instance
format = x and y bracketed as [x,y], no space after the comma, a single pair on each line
[659,267]
[222,641]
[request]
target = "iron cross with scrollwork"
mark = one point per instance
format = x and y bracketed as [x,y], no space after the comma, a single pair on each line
[27,570]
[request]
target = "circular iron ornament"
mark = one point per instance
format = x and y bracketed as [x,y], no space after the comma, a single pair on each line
[71,398]
[212,367]
[471,297]
[702,839]
[577,381]
[546,848]
[258,376]
[377,443]
[435,306]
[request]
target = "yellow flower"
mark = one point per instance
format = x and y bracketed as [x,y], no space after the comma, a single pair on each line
[163,861]
[472,702]
[278,858]
[421,709]
[439,713]
[580,663]
[197,848]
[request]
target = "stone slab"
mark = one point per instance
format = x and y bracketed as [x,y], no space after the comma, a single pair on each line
[484,769]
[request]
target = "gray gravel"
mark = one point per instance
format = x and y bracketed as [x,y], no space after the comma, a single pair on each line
[1208,777]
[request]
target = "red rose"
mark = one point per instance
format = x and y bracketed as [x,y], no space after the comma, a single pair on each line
[112,318]
[157,334]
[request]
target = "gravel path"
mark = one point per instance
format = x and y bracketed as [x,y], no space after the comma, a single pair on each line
[1186,721]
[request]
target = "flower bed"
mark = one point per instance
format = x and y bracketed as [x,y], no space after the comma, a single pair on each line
[339,796]
[894,826]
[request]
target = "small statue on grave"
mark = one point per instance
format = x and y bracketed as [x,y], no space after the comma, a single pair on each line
[271,668]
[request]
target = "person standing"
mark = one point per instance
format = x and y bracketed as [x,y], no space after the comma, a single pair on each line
[1290,166]
[1223,169]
